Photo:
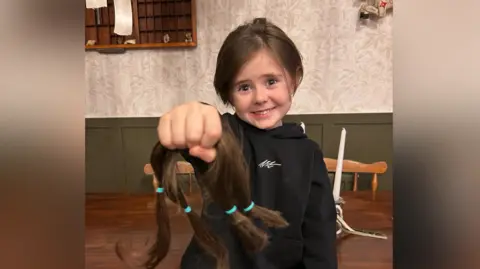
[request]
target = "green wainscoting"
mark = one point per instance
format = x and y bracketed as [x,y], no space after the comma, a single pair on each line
[118,148]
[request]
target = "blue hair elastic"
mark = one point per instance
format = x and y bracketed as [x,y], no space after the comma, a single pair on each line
[252,204]
[187,209]
[231,210]
[159,190]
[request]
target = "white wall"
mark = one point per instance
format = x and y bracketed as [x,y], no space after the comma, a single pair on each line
[348,68]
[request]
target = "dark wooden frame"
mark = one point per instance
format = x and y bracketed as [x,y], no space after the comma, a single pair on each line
[142,21]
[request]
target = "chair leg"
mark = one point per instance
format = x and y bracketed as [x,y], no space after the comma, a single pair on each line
[190,183]
[355,182]
[374,185]
[155,186]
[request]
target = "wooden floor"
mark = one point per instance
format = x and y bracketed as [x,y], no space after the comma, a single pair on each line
[110,218]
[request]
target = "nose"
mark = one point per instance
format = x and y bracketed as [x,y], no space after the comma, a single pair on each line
[260,95]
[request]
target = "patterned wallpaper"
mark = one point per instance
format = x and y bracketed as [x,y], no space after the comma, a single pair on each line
[348,65]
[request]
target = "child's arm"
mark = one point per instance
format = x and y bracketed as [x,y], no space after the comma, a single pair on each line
[319,225]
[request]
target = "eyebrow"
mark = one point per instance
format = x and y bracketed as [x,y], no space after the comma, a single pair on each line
[243,81]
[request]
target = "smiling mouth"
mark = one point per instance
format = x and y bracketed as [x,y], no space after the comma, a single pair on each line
[263,112]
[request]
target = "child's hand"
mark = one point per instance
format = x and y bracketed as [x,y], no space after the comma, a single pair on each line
[192,125]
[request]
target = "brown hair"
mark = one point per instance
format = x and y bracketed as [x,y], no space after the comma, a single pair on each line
[226,182]
[243,42]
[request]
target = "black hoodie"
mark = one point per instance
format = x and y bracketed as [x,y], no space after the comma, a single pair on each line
[289,175]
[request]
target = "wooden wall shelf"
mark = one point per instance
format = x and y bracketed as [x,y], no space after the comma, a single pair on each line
[153,20]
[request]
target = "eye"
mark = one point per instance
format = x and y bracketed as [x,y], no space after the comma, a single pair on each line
[271,81]
[244,87]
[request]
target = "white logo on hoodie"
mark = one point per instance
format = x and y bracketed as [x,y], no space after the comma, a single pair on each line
[268,164]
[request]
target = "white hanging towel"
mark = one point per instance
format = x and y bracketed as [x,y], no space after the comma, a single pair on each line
[123,17]
[96,3]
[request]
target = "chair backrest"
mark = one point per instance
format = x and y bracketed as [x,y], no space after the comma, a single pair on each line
[147,169]
[350,166]
[181,166]
[184,167]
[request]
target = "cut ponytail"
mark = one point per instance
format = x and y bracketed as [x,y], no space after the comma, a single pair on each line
[227,183]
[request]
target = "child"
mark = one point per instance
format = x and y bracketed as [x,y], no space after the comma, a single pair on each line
[258,71]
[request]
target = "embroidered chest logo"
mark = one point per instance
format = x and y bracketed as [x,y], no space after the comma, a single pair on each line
[268,164]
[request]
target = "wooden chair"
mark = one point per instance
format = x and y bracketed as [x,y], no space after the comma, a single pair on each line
[356,168]
[183,168]
[148,170]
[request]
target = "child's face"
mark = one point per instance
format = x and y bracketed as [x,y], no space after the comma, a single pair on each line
[262,91]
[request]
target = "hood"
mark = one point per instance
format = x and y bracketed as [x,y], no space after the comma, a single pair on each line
[285,131]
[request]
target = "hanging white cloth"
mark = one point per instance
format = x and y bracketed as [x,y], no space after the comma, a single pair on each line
[96,3]
[123,17]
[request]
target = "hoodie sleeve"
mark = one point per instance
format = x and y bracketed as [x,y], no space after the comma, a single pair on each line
[319,225]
